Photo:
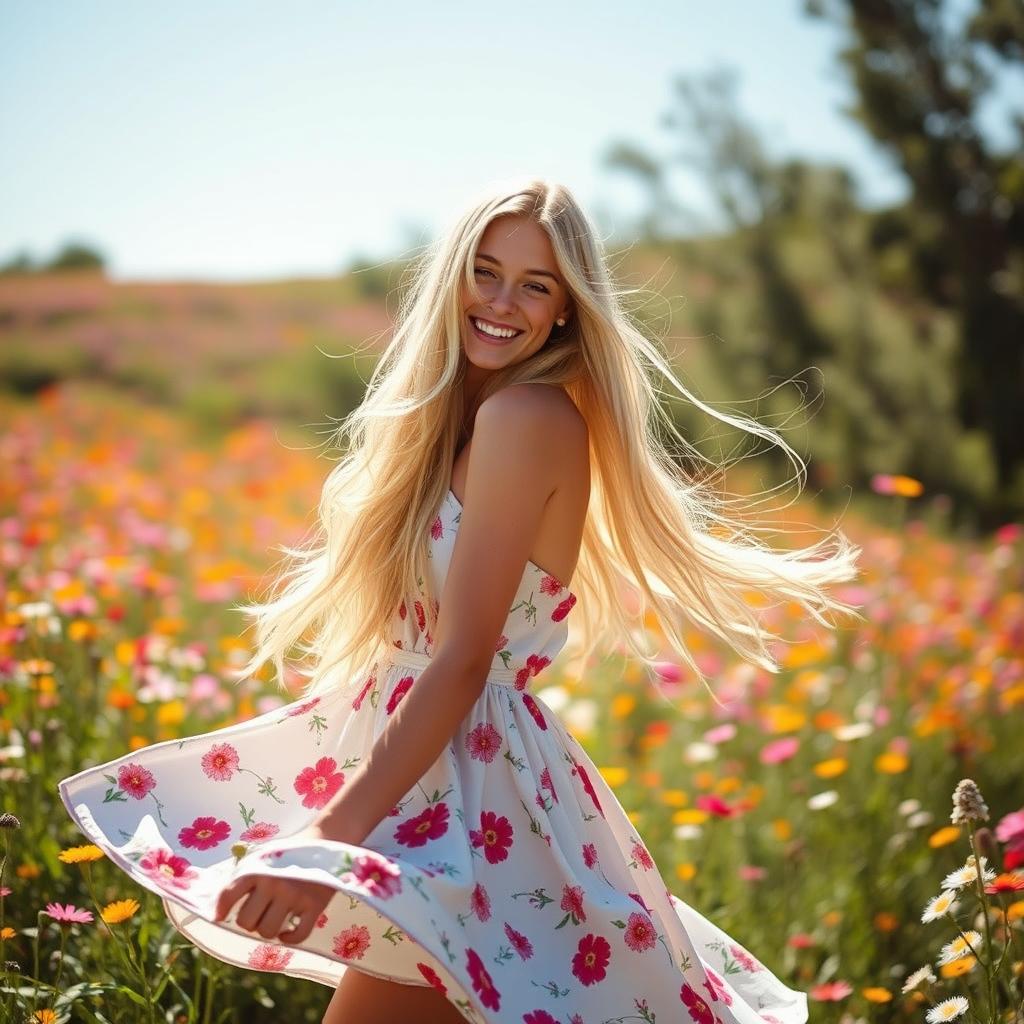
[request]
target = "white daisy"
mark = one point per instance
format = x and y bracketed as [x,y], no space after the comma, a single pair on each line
[854,731]
[939,905]
[946,1010]
[921,974]
[822,800]
[908,807]
[961,946]
[968,875]
[920,818]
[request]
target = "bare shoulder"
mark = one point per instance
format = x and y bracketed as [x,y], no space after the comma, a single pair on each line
[546,413]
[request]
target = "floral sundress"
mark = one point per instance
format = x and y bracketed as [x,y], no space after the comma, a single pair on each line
[509,877]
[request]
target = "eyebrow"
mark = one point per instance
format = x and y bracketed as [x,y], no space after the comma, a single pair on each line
[538,273]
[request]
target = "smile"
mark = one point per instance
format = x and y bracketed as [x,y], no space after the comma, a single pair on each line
[491,333]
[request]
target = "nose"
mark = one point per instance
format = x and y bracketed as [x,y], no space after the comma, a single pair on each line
[501,298]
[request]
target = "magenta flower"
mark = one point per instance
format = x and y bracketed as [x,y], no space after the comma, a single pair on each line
[68,914]
[135,780]
[204,833]
[316,785]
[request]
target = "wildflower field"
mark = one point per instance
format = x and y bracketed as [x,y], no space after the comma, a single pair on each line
[818,815]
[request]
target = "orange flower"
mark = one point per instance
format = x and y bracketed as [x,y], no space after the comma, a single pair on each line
[891,762]
[80,854]
[945,836]
[958,967]
[120,910]
[876,995]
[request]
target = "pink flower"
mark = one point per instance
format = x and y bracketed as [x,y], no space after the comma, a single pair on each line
[432,977]
[270,958]
[168,869]
[539,1017]
[589,854]
[135,780]
[431,823]
[352,943]
[403,687]
[357,703]
[379,876]
[714,805]
[520,943]
[572,902]
[563,608]
[480,902]
[779,750]
[578,769]
[259,832]
[494,835]
[220,762]
[641,856]
[831,991]
[204,833]
[68,914]
[318,784]
[301,709]
[531,706]
[483,984]
[752,872]
[716,987]
[699,1010]
[1010,829]
[748,962]
[4,891]
[483,742]
[590,962]
[545,782]
[640,933]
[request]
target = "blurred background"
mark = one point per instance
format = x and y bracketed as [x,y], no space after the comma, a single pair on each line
[816,207]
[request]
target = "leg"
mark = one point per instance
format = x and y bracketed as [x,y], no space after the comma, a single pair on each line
[362,998]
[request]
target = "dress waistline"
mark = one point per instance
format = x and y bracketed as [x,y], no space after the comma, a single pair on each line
[416,659]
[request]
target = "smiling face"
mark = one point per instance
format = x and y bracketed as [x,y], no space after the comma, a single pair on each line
[522,291]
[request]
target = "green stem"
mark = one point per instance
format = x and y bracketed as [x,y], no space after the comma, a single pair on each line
[980,883]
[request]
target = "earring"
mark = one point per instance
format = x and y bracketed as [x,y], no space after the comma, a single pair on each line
[560,321]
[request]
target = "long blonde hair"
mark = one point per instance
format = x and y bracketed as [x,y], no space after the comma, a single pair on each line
[662,532]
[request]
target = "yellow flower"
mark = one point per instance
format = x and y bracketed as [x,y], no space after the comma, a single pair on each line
[958,967]
[622,705]
[782,829]
[7,933]
[686,871]
[674,797]
[44,1017]
[1015,911]
[831,768]
[877,995]
[171,712]
[689,816]
[121,910]
[891,762]
[831,918]
[945,836]
[614,775]
[80,854]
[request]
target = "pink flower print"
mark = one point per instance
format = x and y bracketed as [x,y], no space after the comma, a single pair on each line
[204,833]
[640,933]
[301,709]
[259,832]
[220,762]
[545,782]
[500,645]
[550,586]
[572,904]
[480,902]
[539,1017]
[431,823]
[403,687]
[641,856]
[352,943]
[587,785]
[357,703]
[135,780]
[494,835]
[403,611]
[531,706]
[483,742]
[639,899]
[168,869]
[771,1018]
[699,1010]
[745,960]
[421,616]
[321,921]
[379,876]
[563,608]
[533,665]
[483,985]
[716,987]
[520,943]
[432,977]
[266,957]
[318,784]
[590,962]
[589,854]
[436,528]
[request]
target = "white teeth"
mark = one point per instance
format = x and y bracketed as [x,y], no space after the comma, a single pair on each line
[497,332]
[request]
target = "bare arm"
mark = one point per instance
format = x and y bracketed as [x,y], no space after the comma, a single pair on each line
[512,471]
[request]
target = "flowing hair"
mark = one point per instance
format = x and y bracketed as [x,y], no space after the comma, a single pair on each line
[658,530]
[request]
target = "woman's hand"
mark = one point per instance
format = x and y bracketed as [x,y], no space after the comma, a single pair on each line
[271,902]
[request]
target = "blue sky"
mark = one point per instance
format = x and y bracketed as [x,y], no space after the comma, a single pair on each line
[259,140]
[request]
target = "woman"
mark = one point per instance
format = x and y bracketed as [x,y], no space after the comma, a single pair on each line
[420,814]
